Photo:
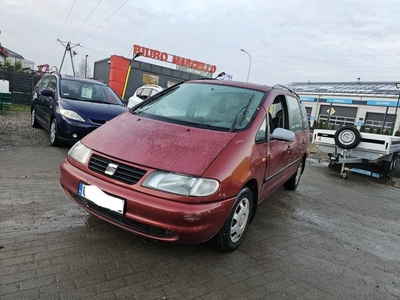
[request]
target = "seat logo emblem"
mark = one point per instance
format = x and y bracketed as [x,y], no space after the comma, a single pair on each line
[111,169]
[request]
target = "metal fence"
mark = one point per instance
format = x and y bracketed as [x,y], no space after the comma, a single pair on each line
[21,86]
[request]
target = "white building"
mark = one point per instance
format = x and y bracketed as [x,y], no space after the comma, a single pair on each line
[372,104]
[12,57]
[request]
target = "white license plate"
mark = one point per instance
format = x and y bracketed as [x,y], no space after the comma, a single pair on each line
[98,197]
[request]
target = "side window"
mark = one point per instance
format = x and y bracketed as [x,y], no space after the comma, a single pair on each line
[279,113]
[52,84]
[304,115]
[138,92]
[153,92]
[261,133]
[296,119]
[145,94]
[44,83]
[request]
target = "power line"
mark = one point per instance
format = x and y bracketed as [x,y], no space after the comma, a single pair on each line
[102,54]
[105,21]
[67,18]
[86,19]
[65,22]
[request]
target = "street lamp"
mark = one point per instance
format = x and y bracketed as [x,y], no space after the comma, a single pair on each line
[86,66]
[137,55]
[248,74]
[220,75]
[395,112]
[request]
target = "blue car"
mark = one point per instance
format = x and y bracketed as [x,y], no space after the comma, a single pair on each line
[70,107]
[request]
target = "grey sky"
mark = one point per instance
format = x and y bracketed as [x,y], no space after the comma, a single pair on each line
[288,40]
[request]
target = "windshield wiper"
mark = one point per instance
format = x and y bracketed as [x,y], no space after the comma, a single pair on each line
[244,113]
[99,101]
[71,98]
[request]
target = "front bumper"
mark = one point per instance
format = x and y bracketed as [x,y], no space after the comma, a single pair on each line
[72,131]
[148,215]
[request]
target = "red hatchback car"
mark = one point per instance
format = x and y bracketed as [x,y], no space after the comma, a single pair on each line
[192,163]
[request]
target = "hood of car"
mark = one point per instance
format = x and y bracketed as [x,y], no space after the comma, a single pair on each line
[159,145]
[93,110]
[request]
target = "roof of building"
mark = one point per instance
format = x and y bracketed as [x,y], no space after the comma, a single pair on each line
[382,89]
[12,53]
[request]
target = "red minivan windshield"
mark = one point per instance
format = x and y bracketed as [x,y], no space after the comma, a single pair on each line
[205,105]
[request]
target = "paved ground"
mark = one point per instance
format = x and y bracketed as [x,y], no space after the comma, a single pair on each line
[330,239]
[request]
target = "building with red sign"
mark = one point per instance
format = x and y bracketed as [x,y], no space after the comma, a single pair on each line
[125,75]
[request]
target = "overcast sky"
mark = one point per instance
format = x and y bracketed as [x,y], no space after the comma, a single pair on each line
[288,40]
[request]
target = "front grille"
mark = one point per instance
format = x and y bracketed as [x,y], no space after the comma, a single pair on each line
[133,225]
[124,173]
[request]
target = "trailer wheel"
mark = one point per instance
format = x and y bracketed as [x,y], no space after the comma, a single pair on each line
[346,174]
[388,166]
[347,137]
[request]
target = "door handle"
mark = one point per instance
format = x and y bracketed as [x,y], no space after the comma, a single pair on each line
[303,142]
[289,148]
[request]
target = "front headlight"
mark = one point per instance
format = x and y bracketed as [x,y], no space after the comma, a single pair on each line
[80,153]
[181,184]
[70,114]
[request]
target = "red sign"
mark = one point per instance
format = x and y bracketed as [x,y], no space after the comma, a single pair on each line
[181,61]
[4,51]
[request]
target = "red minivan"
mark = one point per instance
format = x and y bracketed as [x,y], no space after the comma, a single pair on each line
[191,163]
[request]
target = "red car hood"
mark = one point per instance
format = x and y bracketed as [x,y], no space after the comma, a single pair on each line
[157,144]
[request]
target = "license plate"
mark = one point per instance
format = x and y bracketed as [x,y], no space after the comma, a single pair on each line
[98,197]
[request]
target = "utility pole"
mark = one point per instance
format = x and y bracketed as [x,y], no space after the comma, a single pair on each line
[68,48]
[86,65]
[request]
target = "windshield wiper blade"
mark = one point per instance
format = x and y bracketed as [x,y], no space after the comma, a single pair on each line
[71,98]
[244,113]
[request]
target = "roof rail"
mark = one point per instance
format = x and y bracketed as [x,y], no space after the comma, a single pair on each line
[281,86]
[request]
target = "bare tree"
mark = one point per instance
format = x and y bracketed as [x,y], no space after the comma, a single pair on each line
[81,70]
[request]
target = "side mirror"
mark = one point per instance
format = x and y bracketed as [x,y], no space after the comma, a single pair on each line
[47,93]
[283,135]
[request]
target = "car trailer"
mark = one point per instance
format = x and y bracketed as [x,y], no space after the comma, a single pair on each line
[347,145]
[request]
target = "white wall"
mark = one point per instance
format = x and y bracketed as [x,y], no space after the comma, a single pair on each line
[361,109]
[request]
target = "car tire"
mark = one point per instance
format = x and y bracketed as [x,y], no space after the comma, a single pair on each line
[347,137]
[388,166]
[53,133]
[232,233]
[294,181]
[34,122]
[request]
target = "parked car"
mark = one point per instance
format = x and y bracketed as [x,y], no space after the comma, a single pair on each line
[143,93]
[70,107]
[192,163]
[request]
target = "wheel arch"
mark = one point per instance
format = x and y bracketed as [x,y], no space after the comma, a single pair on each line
[253,186]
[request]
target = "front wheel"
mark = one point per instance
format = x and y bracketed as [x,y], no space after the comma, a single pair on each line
[54,139]
[231,235]
[294,181]
[34,122]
